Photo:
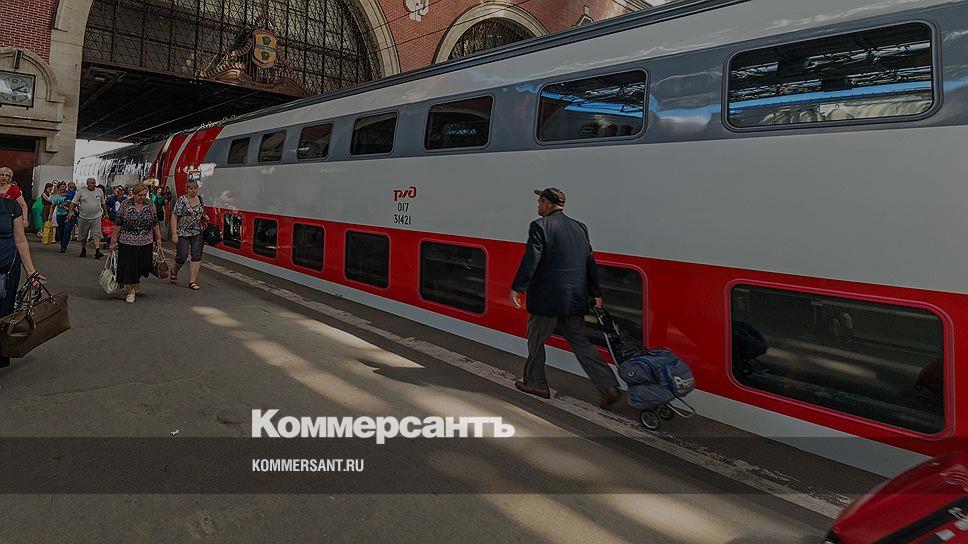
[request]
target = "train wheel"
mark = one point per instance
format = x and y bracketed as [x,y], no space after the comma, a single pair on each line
[650,420]
[665,412]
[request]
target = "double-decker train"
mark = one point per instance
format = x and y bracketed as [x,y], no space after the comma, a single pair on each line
[774,190]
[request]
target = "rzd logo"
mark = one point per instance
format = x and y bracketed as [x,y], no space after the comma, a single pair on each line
[404,193]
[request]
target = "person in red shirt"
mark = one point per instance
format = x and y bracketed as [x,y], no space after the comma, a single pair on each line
[9,190]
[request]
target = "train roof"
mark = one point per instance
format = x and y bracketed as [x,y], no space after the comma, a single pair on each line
[673,10]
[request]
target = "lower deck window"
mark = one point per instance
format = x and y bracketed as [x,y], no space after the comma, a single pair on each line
[265,237]
[623,297]
[877,361]
[232,230]
[453,275]
[368,258]
[307,246]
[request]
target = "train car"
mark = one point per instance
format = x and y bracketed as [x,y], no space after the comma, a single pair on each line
[773,190]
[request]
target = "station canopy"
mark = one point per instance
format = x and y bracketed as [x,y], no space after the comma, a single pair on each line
[154,67]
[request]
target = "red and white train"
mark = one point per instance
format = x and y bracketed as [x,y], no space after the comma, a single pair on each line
[752,172]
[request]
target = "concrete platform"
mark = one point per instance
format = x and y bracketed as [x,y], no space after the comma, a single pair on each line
[198,361]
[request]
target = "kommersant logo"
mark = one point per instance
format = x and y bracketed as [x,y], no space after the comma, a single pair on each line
[380,428]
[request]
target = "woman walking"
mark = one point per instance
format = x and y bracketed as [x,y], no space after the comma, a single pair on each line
[14,252]
[62,207]
[136,233]
[159,199]
[188,218]
[47,195]
[9,190]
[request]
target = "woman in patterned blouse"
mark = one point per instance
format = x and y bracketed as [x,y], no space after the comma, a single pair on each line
[138,231]
[188,218]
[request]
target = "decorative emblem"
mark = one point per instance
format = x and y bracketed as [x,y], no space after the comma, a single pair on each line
[417,8]
[256,63]
[266,44]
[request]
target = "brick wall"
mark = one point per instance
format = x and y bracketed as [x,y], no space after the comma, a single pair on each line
[417,42]
[27,25]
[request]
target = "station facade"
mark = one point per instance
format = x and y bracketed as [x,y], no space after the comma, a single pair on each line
[132,70]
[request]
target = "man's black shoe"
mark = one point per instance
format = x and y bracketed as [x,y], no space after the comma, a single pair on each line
[61,250]
[98,254]
[536,391]
[609,397]
[83,253]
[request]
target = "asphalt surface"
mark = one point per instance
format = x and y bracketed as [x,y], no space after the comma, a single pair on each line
[89,419]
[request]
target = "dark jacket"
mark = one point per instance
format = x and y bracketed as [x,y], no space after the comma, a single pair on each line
[558,271]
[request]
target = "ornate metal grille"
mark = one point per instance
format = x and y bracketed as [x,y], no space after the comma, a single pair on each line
[319,39]
[488,34]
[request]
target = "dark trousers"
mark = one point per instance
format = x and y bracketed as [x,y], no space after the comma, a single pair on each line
[9,287]
[68,229]
[59,231]
[572,327]
[189,246]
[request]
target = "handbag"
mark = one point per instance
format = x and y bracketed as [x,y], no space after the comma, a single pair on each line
[159,266]
[108,278]
[47,233]
[39,317]
[212,235]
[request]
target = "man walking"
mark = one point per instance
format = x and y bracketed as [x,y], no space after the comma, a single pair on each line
[89,204]
[559,275]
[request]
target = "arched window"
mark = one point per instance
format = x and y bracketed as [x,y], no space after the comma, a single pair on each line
[488,34]
[320,40]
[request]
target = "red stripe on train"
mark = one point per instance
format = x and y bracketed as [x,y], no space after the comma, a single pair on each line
[686,309]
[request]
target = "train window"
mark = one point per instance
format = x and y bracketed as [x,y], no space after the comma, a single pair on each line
[886,72]
[232,230]
[367,258]
[877,361]
[270,150]
[314,142]
[264,237]
[464,123]
[374,134]
[307,246]
[624,299]
[453,275]
[608,106]
[238,150]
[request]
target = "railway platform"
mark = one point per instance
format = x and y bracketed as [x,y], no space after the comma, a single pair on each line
[136,426]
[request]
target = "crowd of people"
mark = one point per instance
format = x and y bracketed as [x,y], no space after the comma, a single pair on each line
[129,220]
[558,272]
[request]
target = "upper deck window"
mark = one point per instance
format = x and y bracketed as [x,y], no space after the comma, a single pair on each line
[270,150]
[885,72]
[314,142]
[238,150]
[464,123]
[607,106]
[374,135]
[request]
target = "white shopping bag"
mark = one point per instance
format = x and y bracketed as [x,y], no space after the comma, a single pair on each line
[108,279]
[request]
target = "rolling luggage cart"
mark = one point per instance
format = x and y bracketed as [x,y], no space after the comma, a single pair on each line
[656,378]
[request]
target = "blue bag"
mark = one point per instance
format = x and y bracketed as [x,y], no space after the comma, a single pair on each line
[659,367]
[648,397]
[637,371]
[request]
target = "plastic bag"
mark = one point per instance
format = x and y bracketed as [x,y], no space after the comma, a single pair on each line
[47,233]
[107,227]
[108,277]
